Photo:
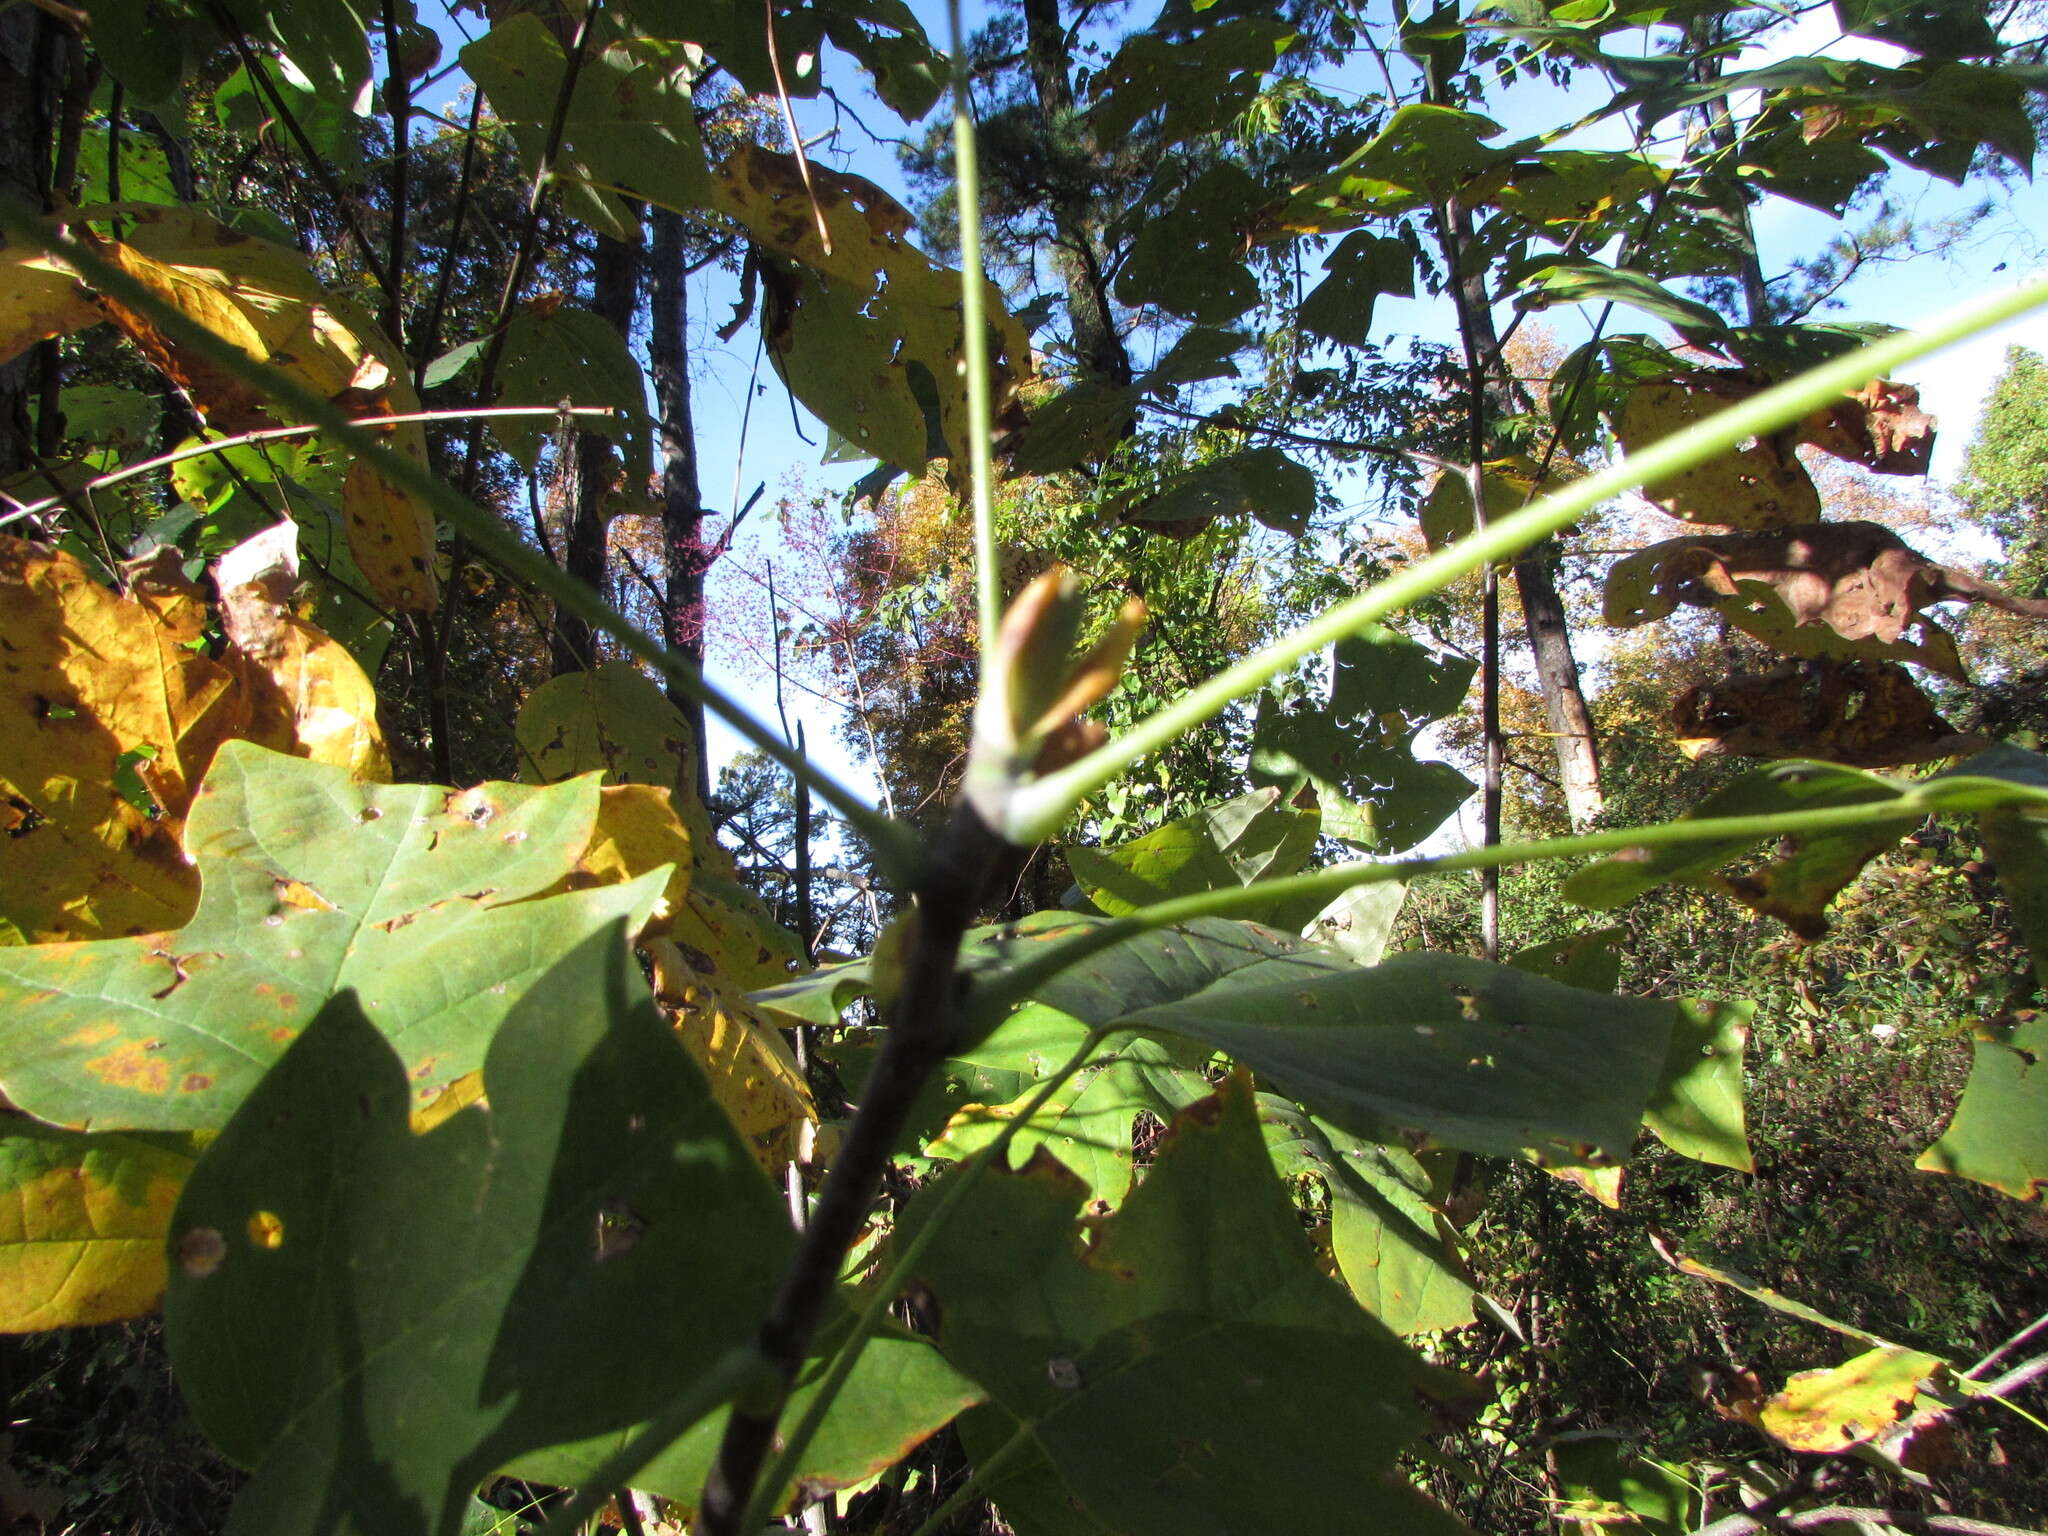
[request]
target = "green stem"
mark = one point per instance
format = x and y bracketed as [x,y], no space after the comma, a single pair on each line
[995,996]
[896,846]
[797,1440]
[976,1481]
[974,349]
[1035,811]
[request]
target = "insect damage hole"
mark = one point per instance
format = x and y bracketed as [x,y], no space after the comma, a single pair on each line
[266,1230]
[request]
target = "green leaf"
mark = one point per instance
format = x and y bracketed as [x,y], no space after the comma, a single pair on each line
[82,1224]
[1262,481]
[148,45]
[1186,259]
[610,718]
[1074,426]
[630,126]
[1197,83]
[1239,842]
[1423,154]
[1581,280]
[1394,1252]
[562,356]
[378,1321]
[1434,1049]
[1088,1123]
[1591,960]
[1196,1307]
[901,1392]
[1359,923]
[1606,1486]
[418,897]
[1201,352]
[1358,752]
[1999,1135]
[1361,268]
[452,363]
[1696,1109]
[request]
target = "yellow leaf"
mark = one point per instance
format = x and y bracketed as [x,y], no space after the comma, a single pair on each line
[637,831]
[752,1074]
[307,696]
[1831,1410]
[1761,486]
[268,303]
[392,537]
[39,299]
[92,677]
[82,1224]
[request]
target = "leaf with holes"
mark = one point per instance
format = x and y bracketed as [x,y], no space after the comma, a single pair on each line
[97,682]
[1761,486]
[1358,751]
[427,901]
[1828,1411]
[377,1321]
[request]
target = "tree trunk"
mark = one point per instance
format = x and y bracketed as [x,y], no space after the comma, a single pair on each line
[1565,710]
[614,288]
[28,95]
[1077,254]
[682,497]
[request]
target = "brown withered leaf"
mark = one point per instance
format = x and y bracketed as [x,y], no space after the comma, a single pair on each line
[1880,426]
[1868,714]
[1850,590]
[90,681]
[1761,486]
[305,694]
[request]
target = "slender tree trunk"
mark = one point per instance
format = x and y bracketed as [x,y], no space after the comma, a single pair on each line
[682,497]
[1566,713]
[614,289]
[1078,255]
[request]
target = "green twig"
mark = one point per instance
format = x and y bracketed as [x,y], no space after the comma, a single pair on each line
[995,996]
[1037,810]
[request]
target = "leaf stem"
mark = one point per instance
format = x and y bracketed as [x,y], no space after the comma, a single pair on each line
[897,849]
[143,467]
[1037,810]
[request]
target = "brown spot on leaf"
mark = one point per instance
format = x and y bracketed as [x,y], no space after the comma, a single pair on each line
[134,1066]
[196,1082]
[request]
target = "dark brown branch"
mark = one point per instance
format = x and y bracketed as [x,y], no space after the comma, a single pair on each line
[922,1021]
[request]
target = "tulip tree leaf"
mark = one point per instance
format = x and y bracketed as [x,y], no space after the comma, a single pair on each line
[1196,1306]
[82,1224]
[377,1320]
[417,896]
[1361,268]
[901,1391]
[1389,1242]
[1999,1135]
[630,129]
[1358,751]
[1437,1049]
